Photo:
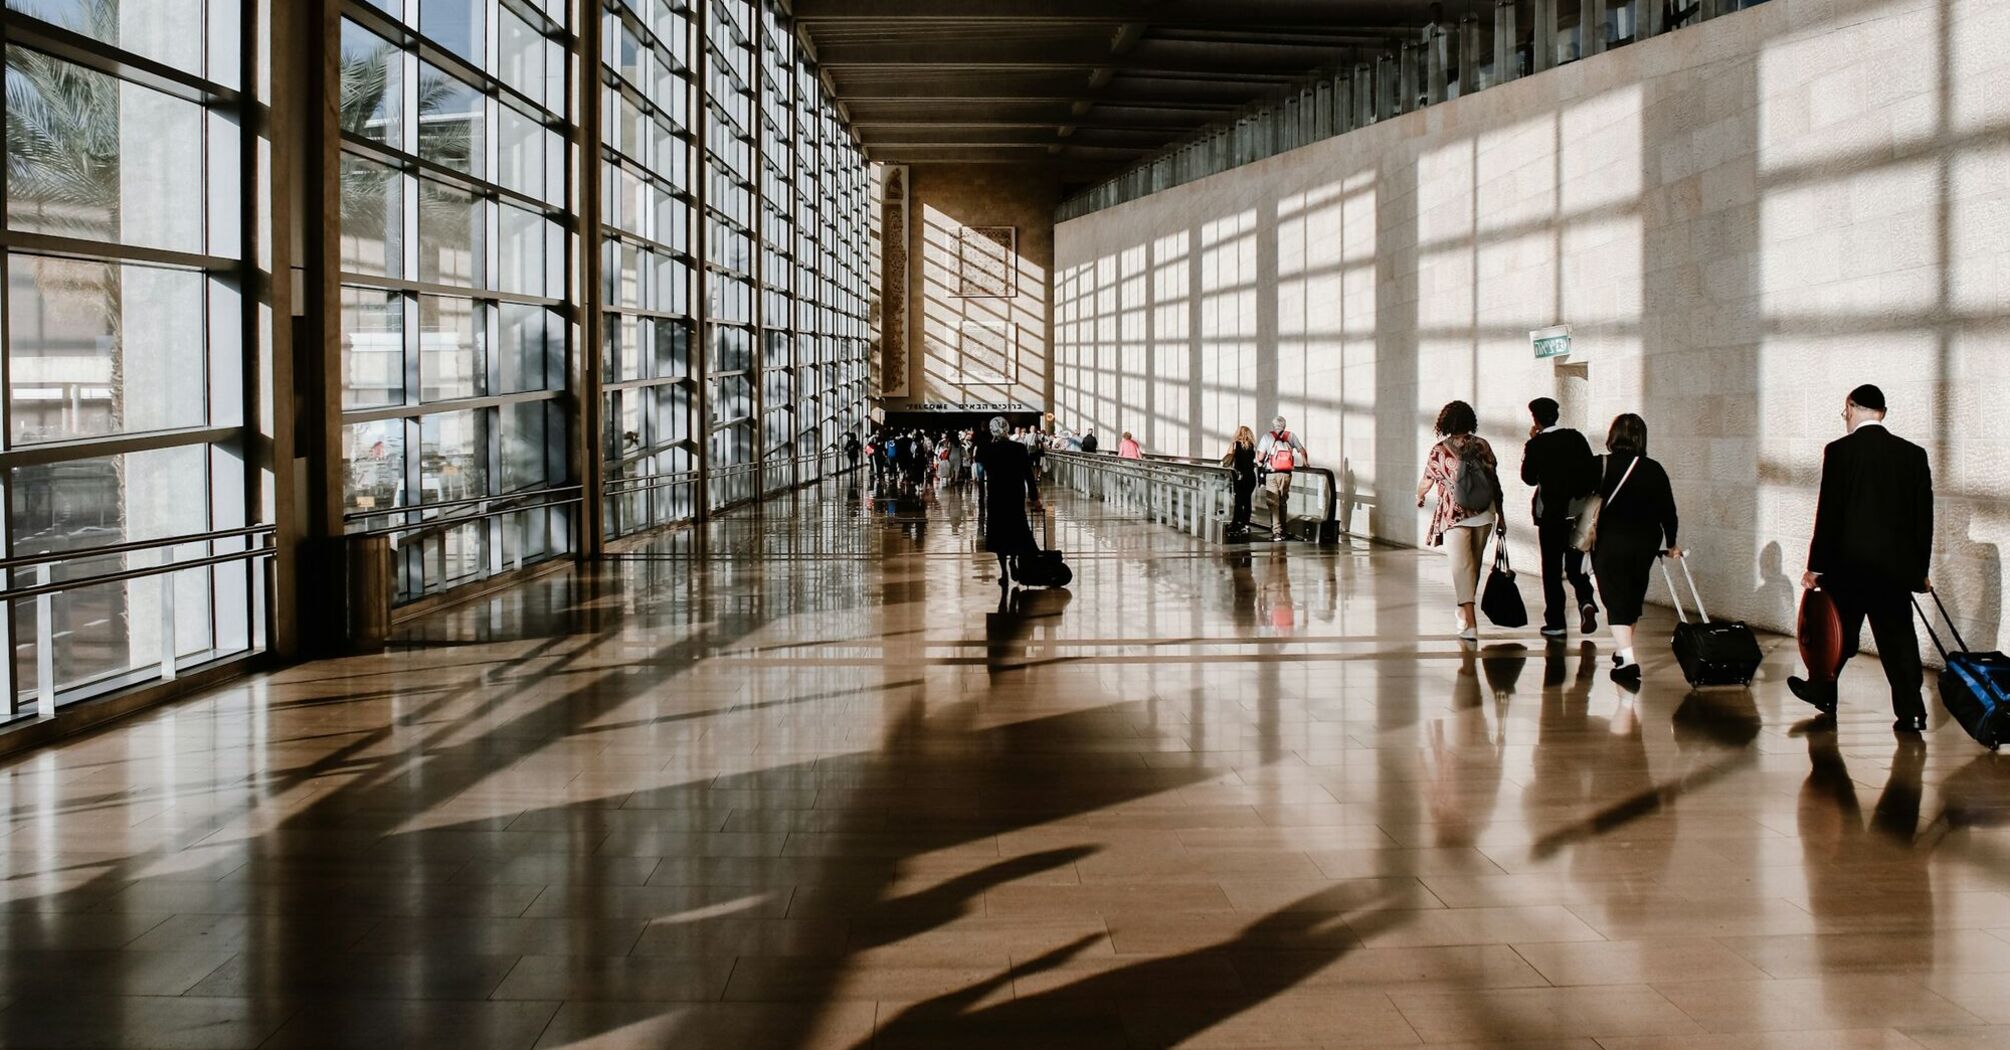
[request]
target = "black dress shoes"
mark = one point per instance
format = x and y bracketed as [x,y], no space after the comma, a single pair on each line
[1822,700]
[1589,625]
[1915,724]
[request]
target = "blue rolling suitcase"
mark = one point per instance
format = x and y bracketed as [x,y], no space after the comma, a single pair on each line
[1975,687]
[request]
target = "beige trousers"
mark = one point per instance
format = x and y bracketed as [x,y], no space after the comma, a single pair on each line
[1278,485]
[1465,546]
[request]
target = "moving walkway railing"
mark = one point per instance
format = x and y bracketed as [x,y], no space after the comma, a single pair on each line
[42,567]
[1195,496]
[373,570]
[726,486]
[461,511]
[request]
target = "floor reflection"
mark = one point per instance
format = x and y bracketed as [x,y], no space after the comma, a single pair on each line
[803,778]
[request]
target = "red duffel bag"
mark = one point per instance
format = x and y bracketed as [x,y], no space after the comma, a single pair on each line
[1820,634]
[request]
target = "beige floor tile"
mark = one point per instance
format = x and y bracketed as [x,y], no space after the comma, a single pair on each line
[1637,962]
[1845,1039]
[191,1022]
[1559,1013]
[1988,1038]
[1341,1019]
[1918,951]
[727,1026]
[343,1024]
[1813,1003]
[1438,926]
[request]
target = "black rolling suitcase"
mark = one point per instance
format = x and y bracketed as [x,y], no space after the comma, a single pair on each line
[1045,567]
[1975,687]
[1711,652]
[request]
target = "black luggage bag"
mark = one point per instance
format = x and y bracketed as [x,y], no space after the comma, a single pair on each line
[1975,687]
[1711,652]
[1044,568]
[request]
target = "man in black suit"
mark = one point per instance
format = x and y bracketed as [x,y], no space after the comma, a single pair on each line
[1872,544]
[1558,462]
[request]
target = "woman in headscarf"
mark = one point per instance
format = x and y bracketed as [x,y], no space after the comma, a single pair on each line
[1008,485]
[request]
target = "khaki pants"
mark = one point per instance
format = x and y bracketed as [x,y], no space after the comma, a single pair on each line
[1465,546]
[1278,485]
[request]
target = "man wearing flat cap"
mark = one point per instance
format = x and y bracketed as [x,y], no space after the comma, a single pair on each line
[1873,540]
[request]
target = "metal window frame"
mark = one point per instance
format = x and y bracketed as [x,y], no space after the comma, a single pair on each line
[211,96]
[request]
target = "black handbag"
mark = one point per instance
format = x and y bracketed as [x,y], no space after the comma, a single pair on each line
[1501,600]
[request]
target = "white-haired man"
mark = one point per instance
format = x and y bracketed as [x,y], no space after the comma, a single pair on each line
[1278,453]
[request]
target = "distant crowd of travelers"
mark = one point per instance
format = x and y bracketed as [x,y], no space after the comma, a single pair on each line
[1616,512]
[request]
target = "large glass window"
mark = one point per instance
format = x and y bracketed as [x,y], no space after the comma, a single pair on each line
[124,346]
[647,266]
[455,260]
[726,322]
[773,303]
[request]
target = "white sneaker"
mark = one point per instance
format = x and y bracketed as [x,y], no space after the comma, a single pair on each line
[1469,634]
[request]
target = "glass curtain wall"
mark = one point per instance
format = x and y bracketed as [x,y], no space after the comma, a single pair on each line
[124,358]
[749,154]
[456,257]
[720,312]
[128,352]
[730,170]
[844,347]
[647,378]
[777,269]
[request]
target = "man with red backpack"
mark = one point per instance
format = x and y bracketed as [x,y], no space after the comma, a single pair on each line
[1278,453]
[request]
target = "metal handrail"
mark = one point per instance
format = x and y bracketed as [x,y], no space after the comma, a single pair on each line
[82,553]
[1191,494]
[10,594]
[1193,498]
[452,521]
[647,482]
[1327,493]
[471,501]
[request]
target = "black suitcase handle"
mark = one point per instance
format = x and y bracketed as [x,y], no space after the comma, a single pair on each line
[1949,620]
[1675,596]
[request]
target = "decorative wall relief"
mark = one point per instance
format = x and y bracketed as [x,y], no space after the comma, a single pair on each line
[987,262]
[894,225]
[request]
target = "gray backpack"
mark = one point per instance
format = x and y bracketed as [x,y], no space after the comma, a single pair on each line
[1474,487]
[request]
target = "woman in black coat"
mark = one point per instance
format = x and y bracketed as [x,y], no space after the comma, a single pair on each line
[1241,458]
[1008,485]
[1636,524]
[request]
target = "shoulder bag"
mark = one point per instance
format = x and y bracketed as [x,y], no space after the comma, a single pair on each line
[1584,536]
[1501,600]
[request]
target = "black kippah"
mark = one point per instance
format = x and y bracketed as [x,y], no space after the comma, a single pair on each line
[1868,396]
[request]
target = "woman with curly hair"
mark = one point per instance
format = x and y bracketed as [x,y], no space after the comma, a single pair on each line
[1459,528]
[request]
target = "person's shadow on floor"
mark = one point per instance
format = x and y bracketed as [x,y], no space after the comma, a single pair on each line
[1279,951]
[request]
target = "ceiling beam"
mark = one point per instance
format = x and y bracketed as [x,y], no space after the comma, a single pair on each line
[1030,135]
[1183,57]
[1047,111]
[1018,154]
[1310,14]
[1067,86]
[978,124]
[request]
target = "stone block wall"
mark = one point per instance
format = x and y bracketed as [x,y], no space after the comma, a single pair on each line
[979,349]
[1741,221]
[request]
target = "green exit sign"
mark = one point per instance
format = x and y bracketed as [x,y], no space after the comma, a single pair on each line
[1551,342]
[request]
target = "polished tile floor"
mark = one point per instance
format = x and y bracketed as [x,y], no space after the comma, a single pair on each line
[798,779]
